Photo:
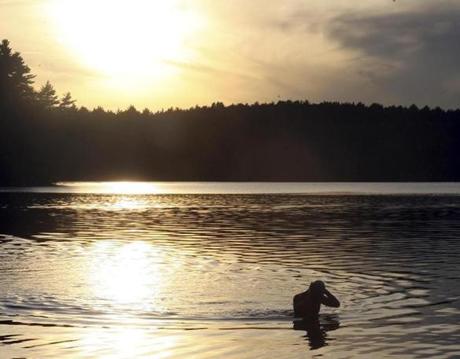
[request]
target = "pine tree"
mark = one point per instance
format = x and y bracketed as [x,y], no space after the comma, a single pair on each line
[15,78]
[67,102]
[47,97]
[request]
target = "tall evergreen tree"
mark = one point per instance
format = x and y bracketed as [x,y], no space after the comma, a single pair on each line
[67,102]
[15,78]
[47,96]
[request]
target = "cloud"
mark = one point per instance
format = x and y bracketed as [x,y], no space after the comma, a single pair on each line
[205,69]
[16,2]
[410,56]
[399,52]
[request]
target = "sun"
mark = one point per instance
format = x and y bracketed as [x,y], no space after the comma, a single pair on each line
[120,38]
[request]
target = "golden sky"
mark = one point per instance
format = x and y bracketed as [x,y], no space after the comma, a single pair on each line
[161,54]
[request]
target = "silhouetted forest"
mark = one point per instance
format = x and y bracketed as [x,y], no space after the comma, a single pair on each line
[44,139]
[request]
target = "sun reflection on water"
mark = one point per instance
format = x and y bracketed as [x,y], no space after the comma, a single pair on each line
[126,273]
[128,203]
[127,342]
[129,282]
[130,342]
[130,187]
[121,187]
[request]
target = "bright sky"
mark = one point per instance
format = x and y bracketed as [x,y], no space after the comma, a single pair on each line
[168,53]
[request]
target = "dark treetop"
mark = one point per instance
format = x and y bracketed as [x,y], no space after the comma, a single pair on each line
[44,138]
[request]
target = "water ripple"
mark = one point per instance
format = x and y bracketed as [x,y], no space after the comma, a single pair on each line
[213,262]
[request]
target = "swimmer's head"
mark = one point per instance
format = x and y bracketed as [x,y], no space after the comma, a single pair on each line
[317,287]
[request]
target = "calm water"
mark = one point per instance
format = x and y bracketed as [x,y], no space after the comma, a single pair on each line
[193,276]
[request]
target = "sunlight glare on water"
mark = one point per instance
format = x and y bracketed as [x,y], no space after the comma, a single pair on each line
[109,275]
[122,187]
[132,187]
[125,272]
[128,203]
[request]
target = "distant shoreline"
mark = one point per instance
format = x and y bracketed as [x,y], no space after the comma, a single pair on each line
[279,142]
[280,188]
[62,183]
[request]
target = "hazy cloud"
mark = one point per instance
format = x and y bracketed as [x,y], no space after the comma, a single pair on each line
[412,56]
[16,2]
[400,52]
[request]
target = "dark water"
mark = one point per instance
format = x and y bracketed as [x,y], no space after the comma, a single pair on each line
[123,276]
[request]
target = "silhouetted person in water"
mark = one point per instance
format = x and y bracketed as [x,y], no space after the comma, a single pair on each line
[308,303]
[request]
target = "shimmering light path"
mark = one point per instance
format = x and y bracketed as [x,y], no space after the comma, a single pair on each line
[335,188]
[169,276]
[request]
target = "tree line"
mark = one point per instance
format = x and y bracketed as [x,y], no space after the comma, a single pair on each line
[45,138]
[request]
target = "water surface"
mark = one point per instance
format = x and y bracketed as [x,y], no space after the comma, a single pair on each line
[213,275]
[335,188]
